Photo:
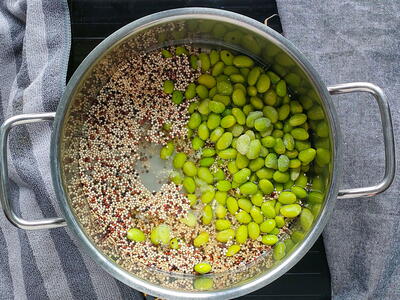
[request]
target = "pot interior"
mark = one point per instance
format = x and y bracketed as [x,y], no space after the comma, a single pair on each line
[211,31]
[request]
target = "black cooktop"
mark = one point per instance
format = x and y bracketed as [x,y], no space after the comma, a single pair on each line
[93,20]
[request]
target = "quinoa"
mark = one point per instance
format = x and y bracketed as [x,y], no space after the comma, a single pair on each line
[109,197]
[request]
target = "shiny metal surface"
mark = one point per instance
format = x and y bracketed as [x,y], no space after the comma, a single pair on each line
[5,199]
[257,40]
[388,137]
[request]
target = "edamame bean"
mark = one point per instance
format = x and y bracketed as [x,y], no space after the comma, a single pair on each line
[300,134]
[265,173]
[167,151]
[229,153]
[288,141]
[274,77]
[224,87]
[179,160]
[222,224]
[243,144]
[216,107]
[243,217]
[241,234]
[207,196]
[252,91]
[268,209]
[245,204]
[279,251]
[253,76]
[242,176]
[254,149]
[256,164]
[194,120]
[263,83]
[221,197]
[225,140]
[271,113]
[189,169]
[270,98]
[307,156]
[190,220]
[189,184]
[253,230]
[239,97]
[225,235]
[174,243]
[269,239]
[203,131]
[287,197]
[268,225]
[228,121]
[297,120]
[241,161]
[252,117]
[323,157]
[315,197]
[297,236]
[279,220]
[316,113]
[256,102]
[216,134]
[291,210]
[237,78]
[266,186]
[306,219]
[168,86]
[218,69]
[135,235]
[279,146]
[227,57]
[271,161]
[248,188]
[204,174]
[281,177]
[201,239]
[202,92]
[204,62]
[207,215]
[214,57]
[262,124]
[257,199]
[177,97]
[255,213]
[223,185]
[220,211]
[207,80]
[206,162]
[160,235]
[197,143]
[232,250]
[283,163]
[283,112]
[232,205]
[202,268]
[229,70]
[281,88]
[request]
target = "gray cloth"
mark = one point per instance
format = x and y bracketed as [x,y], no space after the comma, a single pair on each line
[357,41]
[47,264]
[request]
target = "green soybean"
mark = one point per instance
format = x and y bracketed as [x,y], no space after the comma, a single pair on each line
[168,86]
[248,188]
[202,268]
[266,186]
[222,224]
[227,57]
[224,141]
[279,251]
[245,204]
[239,97]
[228,121]
[306,156]
[281,89]
[225,235]
[241,234]
[287,197]
[227,153]
[135,235]
[232,205]
[268,225]
[269,239]
[243,217]
[232,250]
[201,239]
[189,169]
[255,213]
[223,185]
[207,215]
[216,134]
[224,87]
[263,83]
[179,160]
[291,210]
[197,143]
[189,184]
[283,163]
[221,197]
[306,219]
[281,177]
[220,211]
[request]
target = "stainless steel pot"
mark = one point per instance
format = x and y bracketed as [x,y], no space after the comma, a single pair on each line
[201,26]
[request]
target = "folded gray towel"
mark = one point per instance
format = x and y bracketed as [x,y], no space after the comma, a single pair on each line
[357,41]
[47,264]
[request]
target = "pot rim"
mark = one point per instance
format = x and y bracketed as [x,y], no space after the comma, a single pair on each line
[263,30]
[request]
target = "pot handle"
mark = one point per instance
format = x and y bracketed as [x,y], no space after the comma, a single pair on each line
[388,138]
[5,200]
